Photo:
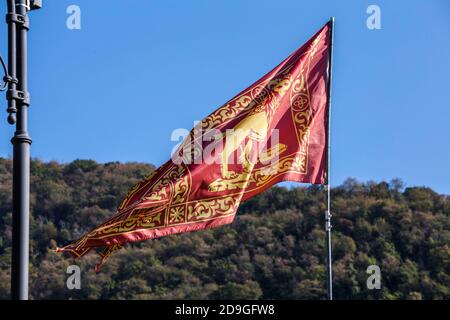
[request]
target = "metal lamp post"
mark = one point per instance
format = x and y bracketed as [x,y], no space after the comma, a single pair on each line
[18,98]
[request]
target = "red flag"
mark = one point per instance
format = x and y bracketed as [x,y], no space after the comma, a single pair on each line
[273,131]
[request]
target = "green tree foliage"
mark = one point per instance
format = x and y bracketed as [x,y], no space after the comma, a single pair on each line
[275,248]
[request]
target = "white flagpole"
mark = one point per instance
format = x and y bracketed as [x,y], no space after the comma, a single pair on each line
[328,185]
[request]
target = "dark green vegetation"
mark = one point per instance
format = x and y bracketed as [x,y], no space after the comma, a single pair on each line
[273,250]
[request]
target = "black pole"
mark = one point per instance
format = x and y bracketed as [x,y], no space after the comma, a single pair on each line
[328,212]
[21,167]
[18,102]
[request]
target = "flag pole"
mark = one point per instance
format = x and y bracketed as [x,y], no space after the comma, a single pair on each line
[328,186]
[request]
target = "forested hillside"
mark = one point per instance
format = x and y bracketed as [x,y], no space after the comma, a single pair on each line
[275,248]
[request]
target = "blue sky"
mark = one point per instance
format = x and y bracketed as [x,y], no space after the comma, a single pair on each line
[116,89]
